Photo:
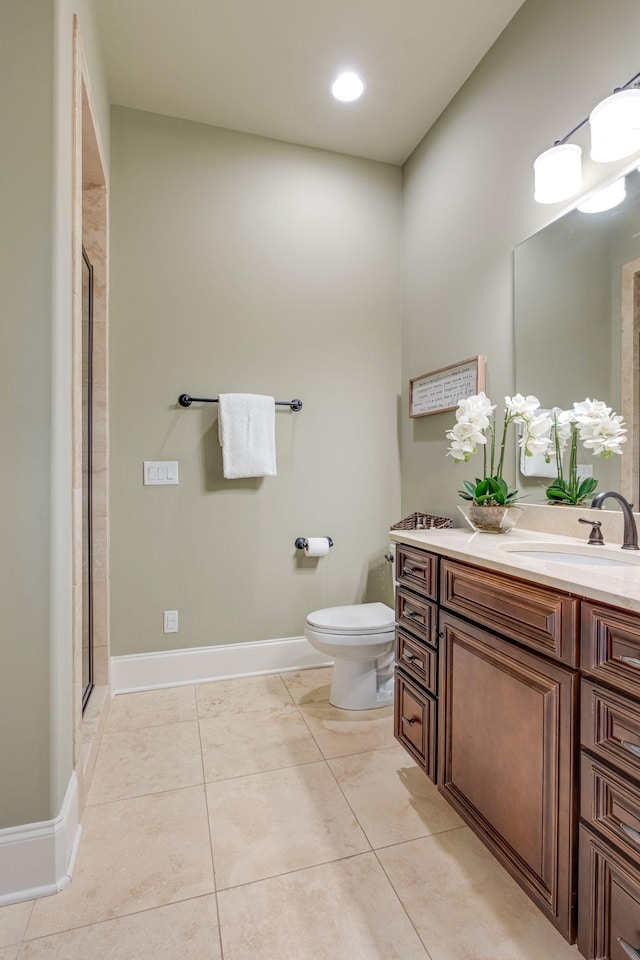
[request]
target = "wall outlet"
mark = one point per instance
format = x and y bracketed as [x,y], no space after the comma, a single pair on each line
[170,621]
[158,472]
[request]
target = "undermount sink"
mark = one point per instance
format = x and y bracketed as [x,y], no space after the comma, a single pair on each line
[567,553]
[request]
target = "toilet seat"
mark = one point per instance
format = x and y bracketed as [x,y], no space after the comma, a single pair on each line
[355,620]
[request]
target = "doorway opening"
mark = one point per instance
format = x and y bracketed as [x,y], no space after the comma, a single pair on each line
[90,418]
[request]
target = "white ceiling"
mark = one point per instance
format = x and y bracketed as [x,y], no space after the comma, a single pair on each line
[265,66]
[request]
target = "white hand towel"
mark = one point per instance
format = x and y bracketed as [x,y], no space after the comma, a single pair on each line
[246,427]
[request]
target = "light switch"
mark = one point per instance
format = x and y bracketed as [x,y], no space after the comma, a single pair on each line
[160,472]
[170,621]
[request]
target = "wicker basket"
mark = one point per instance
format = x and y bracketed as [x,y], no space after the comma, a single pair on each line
[423,521]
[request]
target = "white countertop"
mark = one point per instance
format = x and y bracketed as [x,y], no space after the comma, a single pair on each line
[619,586]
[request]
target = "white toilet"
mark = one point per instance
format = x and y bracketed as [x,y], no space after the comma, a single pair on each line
[359,638]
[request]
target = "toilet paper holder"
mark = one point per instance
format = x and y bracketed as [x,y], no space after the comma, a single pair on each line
[302,543]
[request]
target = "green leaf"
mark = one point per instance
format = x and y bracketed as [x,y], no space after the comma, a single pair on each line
[558,492]
[587,487]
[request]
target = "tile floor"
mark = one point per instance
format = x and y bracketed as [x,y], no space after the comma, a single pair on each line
[251,820]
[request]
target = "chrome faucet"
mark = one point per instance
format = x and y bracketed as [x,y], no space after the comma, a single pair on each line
[630,537]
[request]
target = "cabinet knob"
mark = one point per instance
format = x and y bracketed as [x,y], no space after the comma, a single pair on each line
[631,833]
[629,950]
[411,657]
[411,721]
[414,615]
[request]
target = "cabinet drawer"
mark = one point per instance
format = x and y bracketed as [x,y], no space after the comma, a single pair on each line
[542,619]
[415,723]
[611,804]
[611,646]
[418,659]
[609,905]
[417,570]
[417,615]
[610,727]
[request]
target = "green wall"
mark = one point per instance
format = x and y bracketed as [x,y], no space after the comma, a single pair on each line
[241,264]
[468,201]
[36,733]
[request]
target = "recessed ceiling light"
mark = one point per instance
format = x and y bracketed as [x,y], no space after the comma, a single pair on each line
[347,87]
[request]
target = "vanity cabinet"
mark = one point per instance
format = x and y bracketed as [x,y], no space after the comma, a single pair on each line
[609,882]
[416,653]
[528,697]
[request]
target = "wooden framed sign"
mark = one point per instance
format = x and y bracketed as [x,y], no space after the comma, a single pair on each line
[441,389]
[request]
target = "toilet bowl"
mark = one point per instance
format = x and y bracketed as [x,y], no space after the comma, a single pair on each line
[359,639]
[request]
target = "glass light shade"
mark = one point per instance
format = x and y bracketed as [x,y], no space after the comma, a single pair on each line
[615,126]
[605,199]
[347,87]
[558,173]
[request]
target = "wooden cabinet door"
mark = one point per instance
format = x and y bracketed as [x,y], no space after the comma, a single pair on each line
[507,759]
[609,916]
[415,723]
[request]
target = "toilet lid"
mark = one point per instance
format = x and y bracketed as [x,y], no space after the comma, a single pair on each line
[358,618]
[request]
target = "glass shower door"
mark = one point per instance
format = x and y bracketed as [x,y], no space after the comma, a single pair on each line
[87,469]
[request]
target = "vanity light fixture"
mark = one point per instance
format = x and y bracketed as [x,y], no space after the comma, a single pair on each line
[558,173]
[615,126]
[605,199]
[615,134]
[347,87]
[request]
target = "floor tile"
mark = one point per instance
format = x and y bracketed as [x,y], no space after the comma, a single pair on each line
[136,762]
[391,797]
[135,854]
[337,911]
[13,922]
[224,697]
[339,733]
[233,746]
[465,905]
[152,708]
[283,820]
[309,686]
[187,929]
[9,953]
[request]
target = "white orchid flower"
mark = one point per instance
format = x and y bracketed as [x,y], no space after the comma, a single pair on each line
[537,435]
[477,407]
[522,409]
[466,430]
[590,410]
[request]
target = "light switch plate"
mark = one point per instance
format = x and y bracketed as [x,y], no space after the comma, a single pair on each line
[160,472]
[170,621]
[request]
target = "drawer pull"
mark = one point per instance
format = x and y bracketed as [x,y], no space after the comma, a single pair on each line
[411,721]
[411,658]
[408,571]
[631,833]
[415,616]
[629,950]
[631,748]
[632,661]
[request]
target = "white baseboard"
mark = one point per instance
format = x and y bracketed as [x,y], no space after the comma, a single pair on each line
[37,859]
[147,671]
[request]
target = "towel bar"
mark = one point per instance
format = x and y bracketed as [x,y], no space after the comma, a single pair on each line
[185,401]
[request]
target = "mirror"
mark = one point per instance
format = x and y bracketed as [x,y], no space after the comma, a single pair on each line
[577,326]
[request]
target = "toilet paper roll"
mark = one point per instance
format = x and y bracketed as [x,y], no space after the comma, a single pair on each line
[317,547]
